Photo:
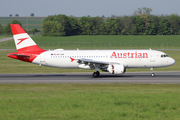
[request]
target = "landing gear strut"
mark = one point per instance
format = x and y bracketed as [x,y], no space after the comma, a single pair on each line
[96,74]
[152,73]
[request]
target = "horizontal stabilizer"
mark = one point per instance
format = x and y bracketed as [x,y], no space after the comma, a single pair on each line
[19,55]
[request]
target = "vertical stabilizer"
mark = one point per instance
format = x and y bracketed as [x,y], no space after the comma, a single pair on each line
[22,40]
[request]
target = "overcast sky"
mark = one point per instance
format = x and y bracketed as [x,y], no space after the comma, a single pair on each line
[81,8]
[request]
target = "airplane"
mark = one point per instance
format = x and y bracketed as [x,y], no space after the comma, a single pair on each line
[112,61]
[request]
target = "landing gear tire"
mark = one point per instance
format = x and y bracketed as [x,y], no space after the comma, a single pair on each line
[152,74]
[96,74]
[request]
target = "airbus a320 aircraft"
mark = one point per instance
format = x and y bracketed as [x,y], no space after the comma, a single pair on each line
[112,61]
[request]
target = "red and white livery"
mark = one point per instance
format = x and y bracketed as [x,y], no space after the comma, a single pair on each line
[112,61]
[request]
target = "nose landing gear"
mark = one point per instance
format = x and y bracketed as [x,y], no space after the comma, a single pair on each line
[152,73]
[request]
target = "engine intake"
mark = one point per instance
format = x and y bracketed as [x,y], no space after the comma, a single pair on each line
[116,69]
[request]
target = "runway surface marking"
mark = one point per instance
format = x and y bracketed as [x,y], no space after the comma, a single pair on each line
[144,77]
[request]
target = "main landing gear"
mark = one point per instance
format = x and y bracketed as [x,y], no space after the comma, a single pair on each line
[96,74]
[152,73]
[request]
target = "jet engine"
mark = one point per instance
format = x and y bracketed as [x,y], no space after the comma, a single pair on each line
[116,69]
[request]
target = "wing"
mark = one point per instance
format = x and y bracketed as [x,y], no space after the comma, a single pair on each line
[104,62]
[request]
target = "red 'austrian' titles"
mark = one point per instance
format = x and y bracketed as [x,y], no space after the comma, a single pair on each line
[129,55]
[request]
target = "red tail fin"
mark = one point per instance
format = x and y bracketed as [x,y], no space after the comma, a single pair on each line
[22,40]
[27,50]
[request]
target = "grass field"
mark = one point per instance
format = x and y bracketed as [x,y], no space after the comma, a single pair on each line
[103,42]
[90,101]
[5,36]
[31,22]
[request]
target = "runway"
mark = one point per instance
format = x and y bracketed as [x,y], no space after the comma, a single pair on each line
[143,77]
[5,39]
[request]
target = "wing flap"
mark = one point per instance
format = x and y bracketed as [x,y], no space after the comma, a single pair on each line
[98,61]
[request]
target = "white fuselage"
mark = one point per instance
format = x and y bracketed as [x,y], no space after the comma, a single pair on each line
[112,61]
[129,58]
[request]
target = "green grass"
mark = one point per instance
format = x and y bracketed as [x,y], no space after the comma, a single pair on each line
[103,42]
[33,22]
[9,65]
[90,101]
[5,36]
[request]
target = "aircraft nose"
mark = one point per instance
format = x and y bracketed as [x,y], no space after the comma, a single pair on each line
[172,61]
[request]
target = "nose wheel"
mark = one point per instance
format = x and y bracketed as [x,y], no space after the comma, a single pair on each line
[152,73]
[96,74]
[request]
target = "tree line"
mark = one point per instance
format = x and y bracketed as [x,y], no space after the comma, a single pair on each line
[143,24]
[138,24]
[7,28]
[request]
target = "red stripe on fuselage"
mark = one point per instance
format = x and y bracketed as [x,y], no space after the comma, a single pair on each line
[30,52]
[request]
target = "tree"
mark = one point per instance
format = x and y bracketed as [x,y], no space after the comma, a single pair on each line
[147,10]
[126,25]
[1,29]
[103,16]
[113,16]
[17,15]
[174,24]
[16,22]
[140,25]
[133,30]
[10,15]
[60,25]
[32,14]
[105,28]
[74,27]
[155,20]
[7,29]
[115,25]
[82,22]
[164,27]
[144,16]
[34,30]
[142,10]
[152,30]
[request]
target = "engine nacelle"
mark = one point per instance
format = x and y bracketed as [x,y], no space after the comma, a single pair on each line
[116,69]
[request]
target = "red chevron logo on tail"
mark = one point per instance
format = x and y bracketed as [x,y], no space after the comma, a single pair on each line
[21,40]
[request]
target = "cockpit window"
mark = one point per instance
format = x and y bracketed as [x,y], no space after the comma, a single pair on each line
[162,56]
